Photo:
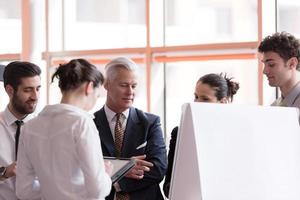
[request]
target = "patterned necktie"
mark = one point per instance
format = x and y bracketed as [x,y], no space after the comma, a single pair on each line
[19,123]
[122,196]
[119,135]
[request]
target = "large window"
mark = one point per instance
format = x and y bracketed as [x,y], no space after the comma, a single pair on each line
[173,41]
[170,37]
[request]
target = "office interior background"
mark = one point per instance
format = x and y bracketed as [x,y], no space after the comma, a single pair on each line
[173,41]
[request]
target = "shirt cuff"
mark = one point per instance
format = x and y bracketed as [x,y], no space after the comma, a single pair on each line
[117,187]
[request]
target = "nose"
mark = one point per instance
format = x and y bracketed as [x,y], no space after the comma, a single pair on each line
[35,94]
[130,90]
[265,70]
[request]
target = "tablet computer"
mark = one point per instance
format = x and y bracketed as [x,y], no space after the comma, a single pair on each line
[121,167]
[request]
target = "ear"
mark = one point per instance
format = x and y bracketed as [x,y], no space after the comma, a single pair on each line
[89,88]
[224,100]
[292,62]
[9,90]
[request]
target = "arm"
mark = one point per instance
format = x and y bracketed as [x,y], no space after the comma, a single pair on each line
[97,181]
[166,186]
[156,154]
[27,186]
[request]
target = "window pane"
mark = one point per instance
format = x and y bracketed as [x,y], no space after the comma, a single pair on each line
[10,25]
[4,97]
[158,91]
[55,25]
[100,24]
[156,23]
[182,77]
[210,21]
[288,11]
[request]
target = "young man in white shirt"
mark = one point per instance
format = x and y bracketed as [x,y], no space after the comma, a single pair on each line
[22,84]
[281,54]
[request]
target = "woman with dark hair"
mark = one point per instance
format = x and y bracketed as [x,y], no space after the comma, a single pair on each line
[210,88]
[60,148]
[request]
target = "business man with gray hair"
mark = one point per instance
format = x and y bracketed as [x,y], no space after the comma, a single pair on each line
[128,132]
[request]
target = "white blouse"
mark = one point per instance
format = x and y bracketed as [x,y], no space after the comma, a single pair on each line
[61,148]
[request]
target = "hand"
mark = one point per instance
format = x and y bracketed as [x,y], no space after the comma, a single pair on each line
[11,170]
[108,167]
[141,166]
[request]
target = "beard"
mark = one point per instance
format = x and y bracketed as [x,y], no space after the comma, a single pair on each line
[23,107]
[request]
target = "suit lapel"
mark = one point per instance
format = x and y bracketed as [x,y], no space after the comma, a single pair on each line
[106,135]
[131,131]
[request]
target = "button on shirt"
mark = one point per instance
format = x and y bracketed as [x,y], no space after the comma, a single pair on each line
[61,147]
[7,151]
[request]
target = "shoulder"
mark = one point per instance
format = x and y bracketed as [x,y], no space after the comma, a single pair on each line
[99,111]
[2,117]
[174,132]
[297,101]
[6,117]
[144,115]
[98,114]
[3,124]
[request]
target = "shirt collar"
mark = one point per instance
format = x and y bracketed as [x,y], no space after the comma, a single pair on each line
[10,118]
[292,95]
[111,114]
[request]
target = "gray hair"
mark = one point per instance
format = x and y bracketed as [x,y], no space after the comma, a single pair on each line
[121,62]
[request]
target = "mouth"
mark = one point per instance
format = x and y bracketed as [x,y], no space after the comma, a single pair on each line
[128,99]
[32,103]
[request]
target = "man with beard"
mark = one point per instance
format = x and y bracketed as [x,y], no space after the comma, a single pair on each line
[281,54]
[22,84]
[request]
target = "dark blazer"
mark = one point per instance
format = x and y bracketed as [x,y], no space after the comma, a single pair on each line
[140,128]
[166,186]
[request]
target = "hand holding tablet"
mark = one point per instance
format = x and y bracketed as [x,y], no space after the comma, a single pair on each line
[120,166]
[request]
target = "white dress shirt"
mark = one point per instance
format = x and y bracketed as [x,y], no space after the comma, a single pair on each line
[7,151]
[61,147]
[111,118]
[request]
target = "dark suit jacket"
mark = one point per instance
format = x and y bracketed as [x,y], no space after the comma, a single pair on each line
[140,128]
[171,153]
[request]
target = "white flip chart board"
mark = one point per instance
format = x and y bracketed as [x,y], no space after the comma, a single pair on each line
[235,152]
